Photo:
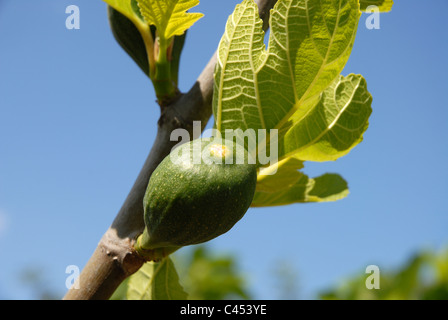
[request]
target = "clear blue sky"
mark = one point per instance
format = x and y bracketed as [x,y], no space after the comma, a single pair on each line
[77,119]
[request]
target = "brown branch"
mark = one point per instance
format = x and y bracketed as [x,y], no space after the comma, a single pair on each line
[114,259]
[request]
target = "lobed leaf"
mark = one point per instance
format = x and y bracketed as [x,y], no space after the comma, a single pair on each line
[309,45]
[170,16]
[328,187]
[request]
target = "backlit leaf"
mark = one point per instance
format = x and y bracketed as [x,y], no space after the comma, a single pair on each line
[278,88]
[170,16]
[328,187]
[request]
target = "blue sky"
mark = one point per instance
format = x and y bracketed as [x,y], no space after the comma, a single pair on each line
[78,118]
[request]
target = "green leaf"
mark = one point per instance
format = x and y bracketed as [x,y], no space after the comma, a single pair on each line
[309,45]
[288,185]
[126,34]
[286,175]
[334,125]
[383,5]
[121,292]
[169,16]
[127,8]
[156,281]
[178,46]
[328,187]
[129,38]
[240,53]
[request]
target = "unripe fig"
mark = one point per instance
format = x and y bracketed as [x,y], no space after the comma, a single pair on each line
[197,193]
